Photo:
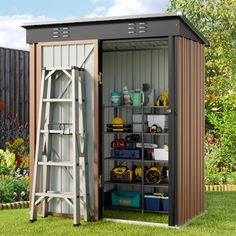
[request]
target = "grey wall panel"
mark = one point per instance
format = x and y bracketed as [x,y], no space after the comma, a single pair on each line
[64,56]
[14,83]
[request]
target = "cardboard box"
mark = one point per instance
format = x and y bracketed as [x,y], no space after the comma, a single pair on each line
[161,154]
[159,120]
[156,118]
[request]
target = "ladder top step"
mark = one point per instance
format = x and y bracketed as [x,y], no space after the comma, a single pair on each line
[55,194]
[57,100]
[61,163]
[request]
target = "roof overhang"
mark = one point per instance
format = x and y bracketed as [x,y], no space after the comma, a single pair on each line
[107,28]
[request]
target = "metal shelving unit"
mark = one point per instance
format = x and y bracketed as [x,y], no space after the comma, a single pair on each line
[163,186]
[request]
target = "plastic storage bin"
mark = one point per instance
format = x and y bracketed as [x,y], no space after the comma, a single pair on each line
[125,153]
[165,203]
[127,199]
[152,203]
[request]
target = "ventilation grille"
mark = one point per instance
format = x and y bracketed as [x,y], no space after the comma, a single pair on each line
[61,32]
[137,28]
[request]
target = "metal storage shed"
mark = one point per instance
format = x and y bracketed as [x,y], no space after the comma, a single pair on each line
[163,50]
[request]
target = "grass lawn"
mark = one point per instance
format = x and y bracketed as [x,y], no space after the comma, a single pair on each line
[219,219]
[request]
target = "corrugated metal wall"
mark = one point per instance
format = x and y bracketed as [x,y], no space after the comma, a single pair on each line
[14,83]
[131,68]
[190,129]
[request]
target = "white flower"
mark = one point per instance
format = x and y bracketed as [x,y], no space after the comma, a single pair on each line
[22,194]
[15,194]
[1,152]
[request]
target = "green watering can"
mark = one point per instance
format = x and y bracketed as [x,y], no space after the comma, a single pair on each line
[137,97]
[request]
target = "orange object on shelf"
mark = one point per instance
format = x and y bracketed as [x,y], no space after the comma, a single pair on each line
[2,106]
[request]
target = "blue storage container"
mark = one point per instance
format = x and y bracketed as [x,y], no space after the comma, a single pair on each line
[125,153]
[165,203]
[152,203]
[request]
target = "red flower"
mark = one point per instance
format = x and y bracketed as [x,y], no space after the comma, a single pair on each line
[18,161]
[2,106]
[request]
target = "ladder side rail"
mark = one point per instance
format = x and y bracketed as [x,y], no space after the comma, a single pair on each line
[47,156]
[75,156]
[33,209]
[82,83]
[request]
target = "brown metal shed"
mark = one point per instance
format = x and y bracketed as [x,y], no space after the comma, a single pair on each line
[164,50]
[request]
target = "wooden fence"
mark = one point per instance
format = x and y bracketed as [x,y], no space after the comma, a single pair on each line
[14,83]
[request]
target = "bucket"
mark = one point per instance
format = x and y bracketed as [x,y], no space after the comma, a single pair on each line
[116,99]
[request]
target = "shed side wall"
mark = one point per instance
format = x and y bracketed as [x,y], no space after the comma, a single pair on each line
[190,129]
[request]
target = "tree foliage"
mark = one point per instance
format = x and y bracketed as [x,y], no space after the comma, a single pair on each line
[216,20]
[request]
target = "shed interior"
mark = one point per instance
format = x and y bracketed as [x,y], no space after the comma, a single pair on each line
[135,162]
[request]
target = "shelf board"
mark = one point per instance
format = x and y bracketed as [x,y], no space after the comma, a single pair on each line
[123,208]
[119,183]
[121,159]
[160,185]
[125,133]
[164,163]
[155,134]
[163,185]
[140,133]
[145,107]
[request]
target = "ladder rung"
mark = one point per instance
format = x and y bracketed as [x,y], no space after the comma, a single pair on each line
[64,68]
[57,100]
[55,194]
[51,163]
[66,132]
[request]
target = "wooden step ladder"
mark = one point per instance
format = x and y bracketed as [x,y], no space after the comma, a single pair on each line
[41,190]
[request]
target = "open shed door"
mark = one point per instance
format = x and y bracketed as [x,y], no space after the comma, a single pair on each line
[66,54]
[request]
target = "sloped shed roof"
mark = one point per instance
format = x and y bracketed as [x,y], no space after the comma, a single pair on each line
[107,28]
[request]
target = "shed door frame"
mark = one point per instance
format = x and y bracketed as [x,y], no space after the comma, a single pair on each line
[35,82]
[172,124]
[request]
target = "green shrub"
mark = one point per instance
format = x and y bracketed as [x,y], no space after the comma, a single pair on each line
[13,189]
[231,178]
[216,20]
[218,166]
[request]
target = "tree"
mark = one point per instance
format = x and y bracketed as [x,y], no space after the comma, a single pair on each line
[216,19]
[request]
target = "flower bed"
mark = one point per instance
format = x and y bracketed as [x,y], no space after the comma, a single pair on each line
[14,188]
[14,162]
